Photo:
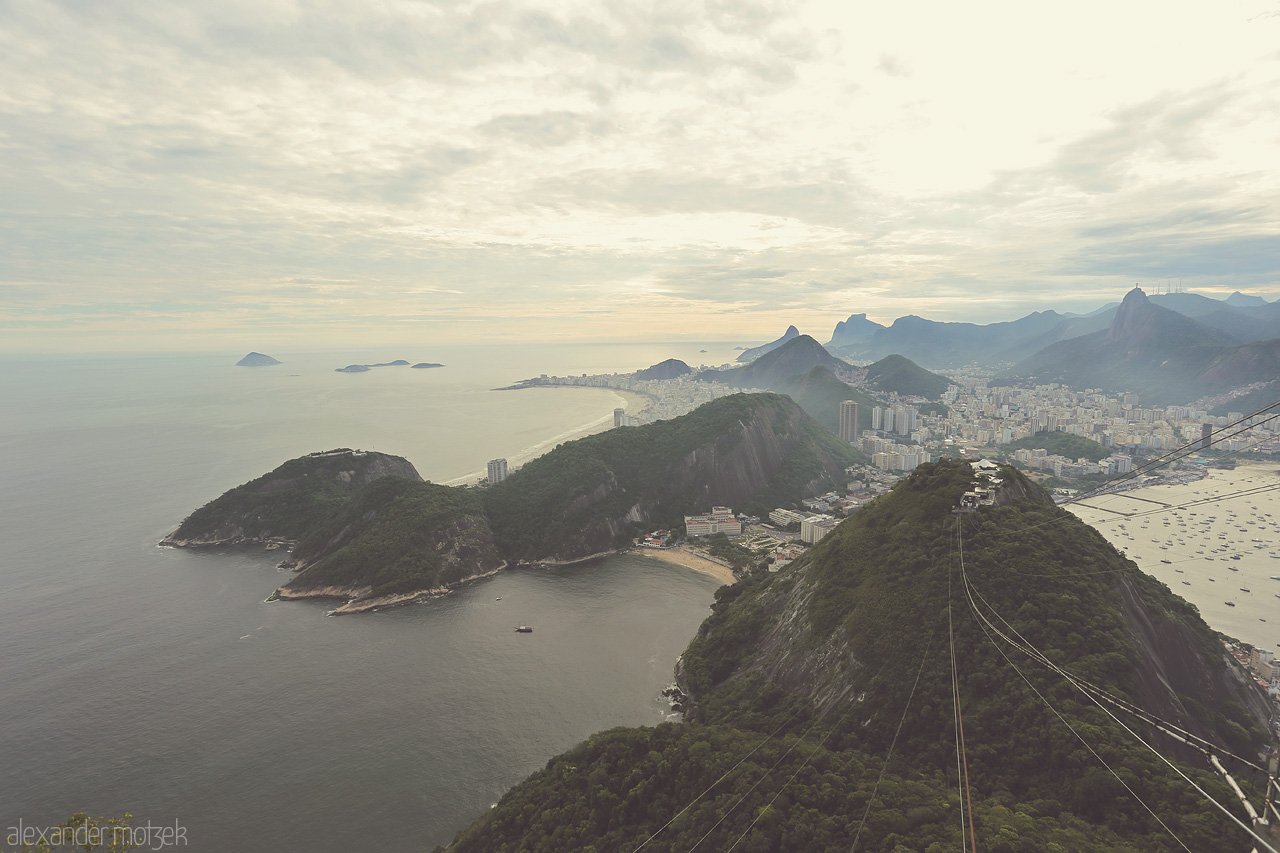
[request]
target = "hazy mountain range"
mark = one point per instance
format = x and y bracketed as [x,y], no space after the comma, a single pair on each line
[1170,348]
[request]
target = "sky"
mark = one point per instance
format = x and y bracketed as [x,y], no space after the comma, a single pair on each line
[277,174]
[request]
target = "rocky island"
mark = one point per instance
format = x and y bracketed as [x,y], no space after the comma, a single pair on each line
[362,368]
[256,359]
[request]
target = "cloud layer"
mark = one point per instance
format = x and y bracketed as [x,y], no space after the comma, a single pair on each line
[334,170]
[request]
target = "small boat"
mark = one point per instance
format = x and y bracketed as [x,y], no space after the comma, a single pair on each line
[1188,583]
[1243,589]
[499,598]
[1231,604]
[1166,562]
[524,629]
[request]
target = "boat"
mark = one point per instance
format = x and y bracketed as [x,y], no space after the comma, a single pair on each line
[1166,562]
[1188,583]
[1231,604]
[1242,589]
[524,629]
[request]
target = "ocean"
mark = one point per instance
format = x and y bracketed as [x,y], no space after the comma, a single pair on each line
[159,682]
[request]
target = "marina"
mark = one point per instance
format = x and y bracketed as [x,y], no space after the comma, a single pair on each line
[1206,529]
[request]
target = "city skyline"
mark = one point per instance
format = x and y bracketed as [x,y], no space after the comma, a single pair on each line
[332,174]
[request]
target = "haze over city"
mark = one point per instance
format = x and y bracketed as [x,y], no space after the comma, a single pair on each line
[270,175]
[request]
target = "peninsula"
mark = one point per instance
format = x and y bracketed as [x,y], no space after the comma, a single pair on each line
[365,528]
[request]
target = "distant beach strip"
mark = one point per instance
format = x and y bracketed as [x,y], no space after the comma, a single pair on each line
[633,403]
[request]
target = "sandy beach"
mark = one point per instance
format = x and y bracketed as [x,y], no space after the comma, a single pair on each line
[690,560]
[1221,555]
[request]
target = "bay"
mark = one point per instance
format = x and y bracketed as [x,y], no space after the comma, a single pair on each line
[159,682]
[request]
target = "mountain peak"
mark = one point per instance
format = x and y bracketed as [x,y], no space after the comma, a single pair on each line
[1137,296]
[755,352]
[1242,300]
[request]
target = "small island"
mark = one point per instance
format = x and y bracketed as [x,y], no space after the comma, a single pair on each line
[256,359]
[363,368]
[422,364]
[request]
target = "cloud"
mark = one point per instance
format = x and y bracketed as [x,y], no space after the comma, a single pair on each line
[734,159]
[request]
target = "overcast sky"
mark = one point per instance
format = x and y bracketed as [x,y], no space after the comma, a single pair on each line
[267,174]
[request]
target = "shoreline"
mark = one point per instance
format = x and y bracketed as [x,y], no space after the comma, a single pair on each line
[681,556]
[632,402]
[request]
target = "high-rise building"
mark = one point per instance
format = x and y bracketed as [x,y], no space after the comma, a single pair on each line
[877,418]
[497,470]
[618,415]
[849,421]
[1206,433]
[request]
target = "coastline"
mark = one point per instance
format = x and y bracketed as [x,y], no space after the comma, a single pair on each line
[353,594]
[681,556]
[628,400]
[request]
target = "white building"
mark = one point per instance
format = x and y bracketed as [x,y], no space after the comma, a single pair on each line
[719,520]
[497,470]
[813,529]
[849,421]
[784,517]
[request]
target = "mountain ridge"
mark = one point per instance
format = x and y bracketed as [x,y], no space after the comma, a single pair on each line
[843,658]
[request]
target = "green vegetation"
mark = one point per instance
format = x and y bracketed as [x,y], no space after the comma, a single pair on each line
[826,655]
[290,500]
[359,525]
[901,374]
[720,545]
[820,394]
[398,536]
[1063,444]
[589,495]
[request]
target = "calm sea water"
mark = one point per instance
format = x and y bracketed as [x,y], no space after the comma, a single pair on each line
[158,681]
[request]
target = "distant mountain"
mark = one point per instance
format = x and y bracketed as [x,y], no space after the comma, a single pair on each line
[755,352]
[943,345]
[820,394]
[256,359]
[1165,356]
[1241,300]
[669,369]
[940,344]
[797,356]
[854,330]
[903,376]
